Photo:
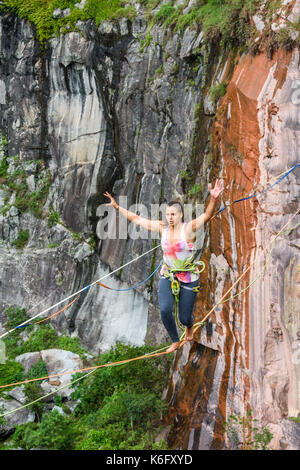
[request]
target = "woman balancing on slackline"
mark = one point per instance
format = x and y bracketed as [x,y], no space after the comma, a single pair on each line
[177,244]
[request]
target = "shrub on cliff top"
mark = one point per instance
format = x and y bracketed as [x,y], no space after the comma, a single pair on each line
[40,13]
[225,20]
[228,22]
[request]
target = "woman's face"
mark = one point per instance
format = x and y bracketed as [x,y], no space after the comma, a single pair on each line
[173,215]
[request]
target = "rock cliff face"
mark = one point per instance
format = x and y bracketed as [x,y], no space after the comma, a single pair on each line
[99,112]
[255,333]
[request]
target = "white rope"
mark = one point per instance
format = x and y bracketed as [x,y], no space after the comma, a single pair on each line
[76,293]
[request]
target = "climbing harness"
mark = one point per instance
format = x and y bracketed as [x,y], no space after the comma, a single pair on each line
[179,266]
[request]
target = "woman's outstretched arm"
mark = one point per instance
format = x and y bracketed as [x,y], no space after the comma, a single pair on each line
[148,224]
[197,223]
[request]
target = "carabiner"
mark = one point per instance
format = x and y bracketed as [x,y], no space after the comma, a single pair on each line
[175,287]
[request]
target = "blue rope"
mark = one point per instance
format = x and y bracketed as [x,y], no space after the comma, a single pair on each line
[267,189]
[23,326]
[134,287]
[129,288]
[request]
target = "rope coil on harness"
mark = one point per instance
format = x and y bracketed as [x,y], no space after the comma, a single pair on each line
[180,266]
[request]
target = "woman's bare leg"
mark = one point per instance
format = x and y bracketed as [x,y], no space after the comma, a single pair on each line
[173,347]
[189,333]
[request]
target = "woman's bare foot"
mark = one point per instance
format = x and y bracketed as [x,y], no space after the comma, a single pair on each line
[189,333]
[173,347]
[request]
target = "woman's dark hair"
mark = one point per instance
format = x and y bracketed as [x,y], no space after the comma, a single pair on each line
[179,206]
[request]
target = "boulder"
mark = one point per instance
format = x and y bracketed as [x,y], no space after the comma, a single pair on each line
[28,360]
[57,360]
[12,420]
[83,251]
[18,394]
[59,409]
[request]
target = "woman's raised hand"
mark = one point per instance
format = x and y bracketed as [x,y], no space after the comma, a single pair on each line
[217,189]
[112,201]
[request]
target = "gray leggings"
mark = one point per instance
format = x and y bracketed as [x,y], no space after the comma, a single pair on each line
[185,308]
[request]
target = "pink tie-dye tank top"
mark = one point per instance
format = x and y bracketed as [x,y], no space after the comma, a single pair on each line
[180,250]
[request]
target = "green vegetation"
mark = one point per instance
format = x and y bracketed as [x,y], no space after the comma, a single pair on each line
[118,407]
[92,241]
[244,434]
[159,70]
[44,337]
[226,22]
[195,190]
[147,41]
[77,236]
[53,432]
[53,218]
[284,38]
[218,91]
[294,418]
[15,183]
[3,168]
[168,14]
[34,391]
[14,317]
[209,159]
[22,239]
[184,174]
[53,245]
[40,13]
[10,372]
[37,370]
